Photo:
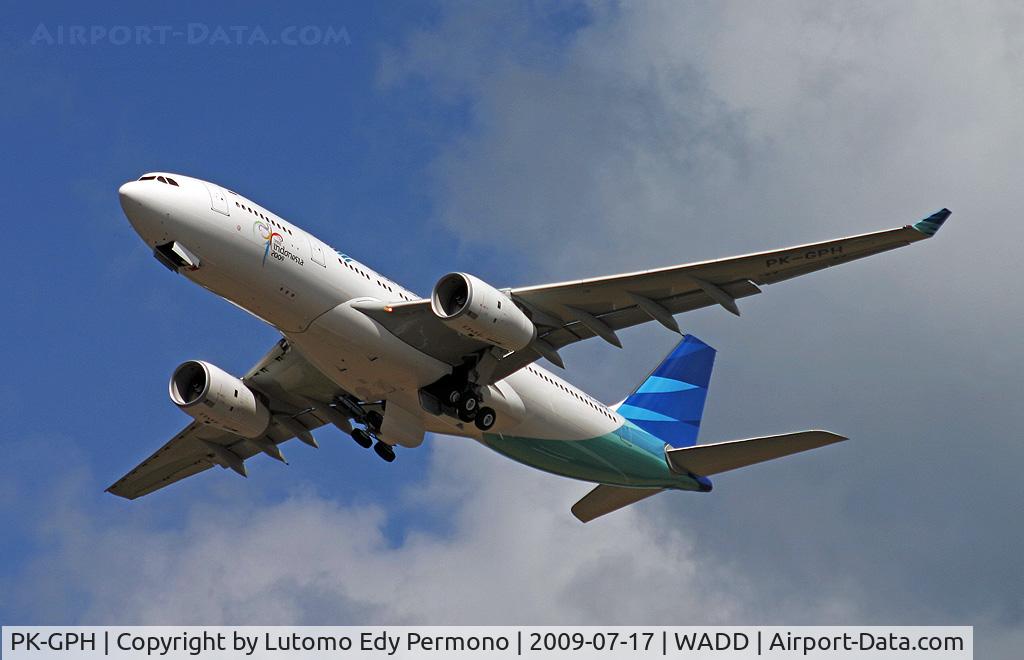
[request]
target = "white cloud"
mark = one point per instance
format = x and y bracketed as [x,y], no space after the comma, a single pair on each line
[511,553]
[665,132]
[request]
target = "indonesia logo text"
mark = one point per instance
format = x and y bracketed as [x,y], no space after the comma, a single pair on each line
[274,244]
[265,232]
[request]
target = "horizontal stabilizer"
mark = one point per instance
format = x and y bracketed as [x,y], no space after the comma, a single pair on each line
[605,499]
[706,460]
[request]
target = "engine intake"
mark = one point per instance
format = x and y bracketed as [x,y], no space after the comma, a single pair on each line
[476,309]
[210,395]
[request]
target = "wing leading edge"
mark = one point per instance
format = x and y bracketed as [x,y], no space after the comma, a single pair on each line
[294,388]
[568,312]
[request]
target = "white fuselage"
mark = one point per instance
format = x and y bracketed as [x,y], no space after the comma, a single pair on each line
[305,288]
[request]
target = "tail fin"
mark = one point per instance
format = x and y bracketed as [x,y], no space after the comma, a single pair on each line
[670,402]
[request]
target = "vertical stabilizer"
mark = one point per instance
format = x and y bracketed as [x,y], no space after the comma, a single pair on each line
[670,402]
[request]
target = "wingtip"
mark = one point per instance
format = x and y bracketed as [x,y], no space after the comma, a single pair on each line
[111,489]
[931,225]
[838,437]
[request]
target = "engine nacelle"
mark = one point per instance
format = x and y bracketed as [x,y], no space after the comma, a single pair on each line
[476,309]
[211,395]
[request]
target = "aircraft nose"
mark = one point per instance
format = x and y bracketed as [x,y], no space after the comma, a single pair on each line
[129,193]
[141,207]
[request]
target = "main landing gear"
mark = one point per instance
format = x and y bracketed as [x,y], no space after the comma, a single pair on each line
[485,418]
[381,448]
[367,437]
[362,438]
[463,402]
[384,450]
[467,407]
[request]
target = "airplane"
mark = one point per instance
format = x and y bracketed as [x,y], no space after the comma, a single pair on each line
[386,366]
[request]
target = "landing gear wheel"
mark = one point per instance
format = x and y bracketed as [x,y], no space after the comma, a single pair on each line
[452,396]
[385,451]
[374,419]
[485,418]
[468,407]
[364,439]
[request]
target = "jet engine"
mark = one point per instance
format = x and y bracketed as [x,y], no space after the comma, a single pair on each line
[211,395]
[476,309]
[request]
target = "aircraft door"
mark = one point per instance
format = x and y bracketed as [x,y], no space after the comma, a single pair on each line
[218,200]
[316,251]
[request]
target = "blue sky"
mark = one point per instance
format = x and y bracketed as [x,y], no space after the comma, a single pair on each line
[306,129]
[528,143]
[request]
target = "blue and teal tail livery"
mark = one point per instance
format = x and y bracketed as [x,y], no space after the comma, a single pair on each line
[669,404]
[930,225]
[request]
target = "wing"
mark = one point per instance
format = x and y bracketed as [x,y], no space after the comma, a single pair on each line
[567,312]
[297,393]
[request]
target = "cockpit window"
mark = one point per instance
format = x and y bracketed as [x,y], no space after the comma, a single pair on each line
[162,179]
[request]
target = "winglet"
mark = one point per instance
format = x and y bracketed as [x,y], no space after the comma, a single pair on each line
[930,225]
